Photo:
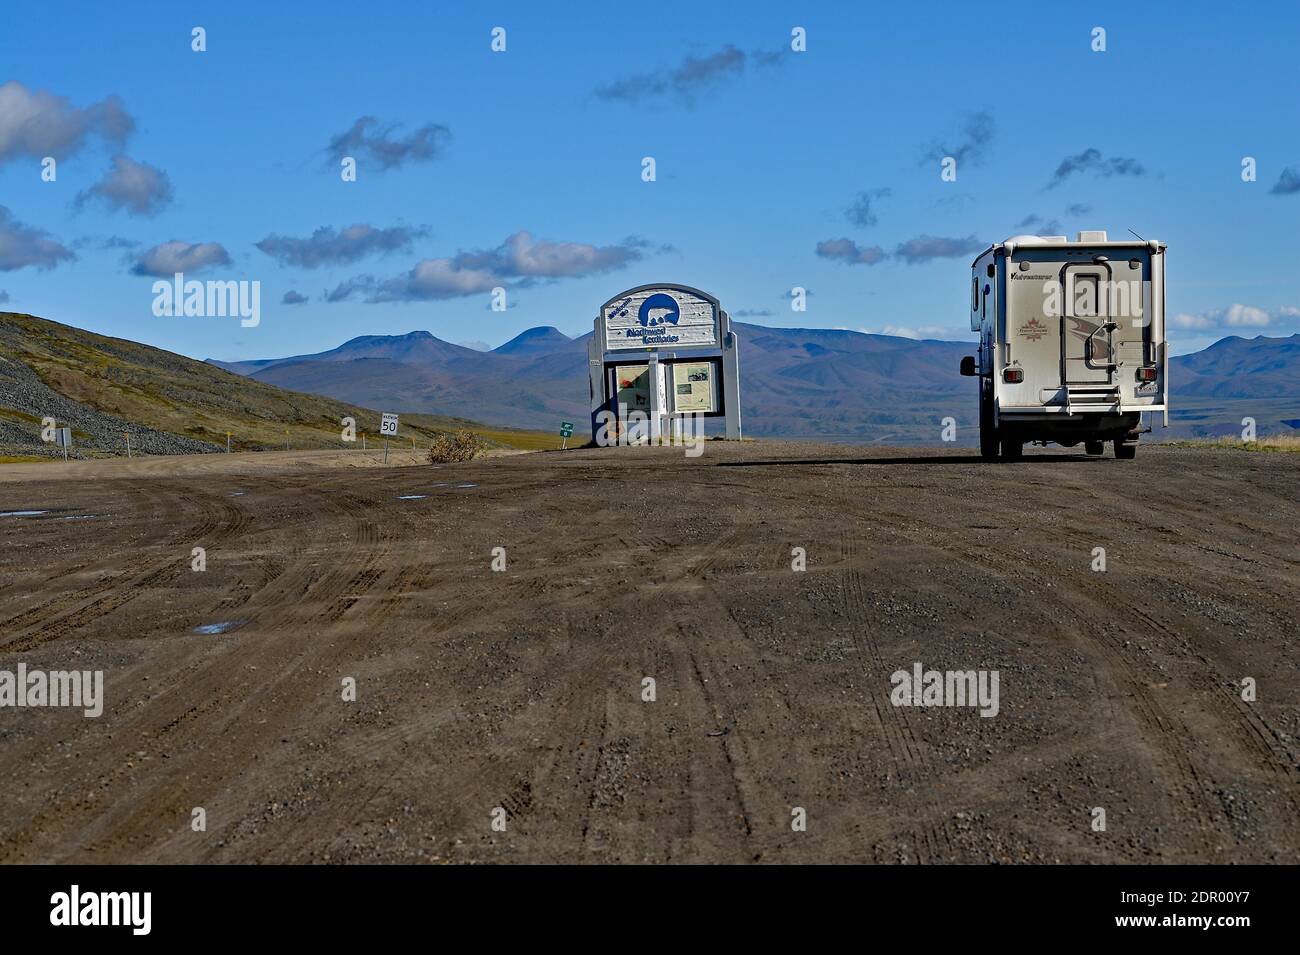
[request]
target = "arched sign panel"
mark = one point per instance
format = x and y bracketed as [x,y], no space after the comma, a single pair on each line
[664,353]
[660,317]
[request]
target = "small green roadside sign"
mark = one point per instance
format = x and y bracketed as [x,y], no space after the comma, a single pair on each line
[566,432]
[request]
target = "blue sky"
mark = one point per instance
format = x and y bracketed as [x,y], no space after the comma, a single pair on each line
[523,168]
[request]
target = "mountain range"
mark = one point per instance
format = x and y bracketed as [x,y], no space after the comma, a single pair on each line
[795,382]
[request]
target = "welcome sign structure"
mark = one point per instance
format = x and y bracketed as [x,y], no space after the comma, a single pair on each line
[660,353]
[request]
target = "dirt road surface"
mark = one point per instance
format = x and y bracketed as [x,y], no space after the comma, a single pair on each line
[523,690]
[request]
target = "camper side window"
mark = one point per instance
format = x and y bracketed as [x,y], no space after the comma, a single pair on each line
[974,293]
[984,306]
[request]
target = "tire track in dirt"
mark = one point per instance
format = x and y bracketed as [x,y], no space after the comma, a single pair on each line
[115,571]
[293,683]
[897,732]
[217,521]
[1164,734]
[173,713]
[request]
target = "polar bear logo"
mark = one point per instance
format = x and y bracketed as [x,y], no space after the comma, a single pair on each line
[659,309]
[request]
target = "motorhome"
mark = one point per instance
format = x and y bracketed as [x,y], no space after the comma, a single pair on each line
[1072,342]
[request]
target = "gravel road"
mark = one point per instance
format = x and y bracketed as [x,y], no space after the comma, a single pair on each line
[520,695]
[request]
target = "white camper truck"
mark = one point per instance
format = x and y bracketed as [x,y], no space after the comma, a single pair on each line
[1072,342]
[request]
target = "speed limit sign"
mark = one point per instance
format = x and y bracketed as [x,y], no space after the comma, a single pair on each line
[388,425]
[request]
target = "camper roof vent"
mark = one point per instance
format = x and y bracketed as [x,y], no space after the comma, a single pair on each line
[1099,236]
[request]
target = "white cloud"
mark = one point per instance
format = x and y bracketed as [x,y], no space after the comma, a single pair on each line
[22,245]
[137,187]
[519,260]
[1246,315]
[38,123]
[1234,316]
[919,332]
[1183,320]
[848,251]
[167,259]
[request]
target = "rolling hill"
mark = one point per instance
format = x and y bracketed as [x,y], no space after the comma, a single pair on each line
[170,404]
[1250,368]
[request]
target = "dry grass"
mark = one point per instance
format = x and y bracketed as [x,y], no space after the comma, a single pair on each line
[1264,442]
[454,446]
[523,440]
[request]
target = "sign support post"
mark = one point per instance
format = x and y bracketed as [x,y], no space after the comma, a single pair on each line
[388,428]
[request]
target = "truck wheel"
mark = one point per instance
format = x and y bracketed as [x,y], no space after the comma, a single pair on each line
[988,434]
[1094,447]
[1125,452]
[1012,448]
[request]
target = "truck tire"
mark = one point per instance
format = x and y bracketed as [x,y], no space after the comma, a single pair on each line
[988,434]
[1012,448]
[1124,450]
[1094,447]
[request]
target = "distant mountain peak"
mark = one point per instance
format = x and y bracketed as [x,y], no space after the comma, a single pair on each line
[535,341]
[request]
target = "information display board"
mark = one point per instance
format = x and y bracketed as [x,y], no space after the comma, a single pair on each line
[694,387]
[632,384]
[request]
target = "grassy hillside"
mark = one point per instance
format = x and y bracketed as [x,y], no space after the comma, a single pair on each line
[165,392]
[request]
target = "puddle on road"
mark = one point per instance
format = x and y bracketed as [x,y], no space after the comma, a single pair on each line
[22,513]
[467,485]
[225,626]
[412,497]
[236,493]
[79,517]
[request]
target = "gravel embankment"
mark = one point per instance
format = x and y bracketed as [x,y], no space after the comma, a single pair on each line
[21,390]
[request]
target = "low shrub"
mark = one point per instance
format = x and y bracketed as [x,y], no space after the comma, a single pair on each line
[450,447]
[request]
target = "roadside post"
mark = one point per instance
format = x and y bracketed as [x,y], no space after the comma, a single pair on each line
[127,434]
[63,437]
[566,432]
[388,428]
[227,442]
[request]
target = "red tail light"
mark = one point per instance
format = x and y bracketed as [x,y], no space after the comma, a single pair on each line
[1013,376]
[1147,373]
